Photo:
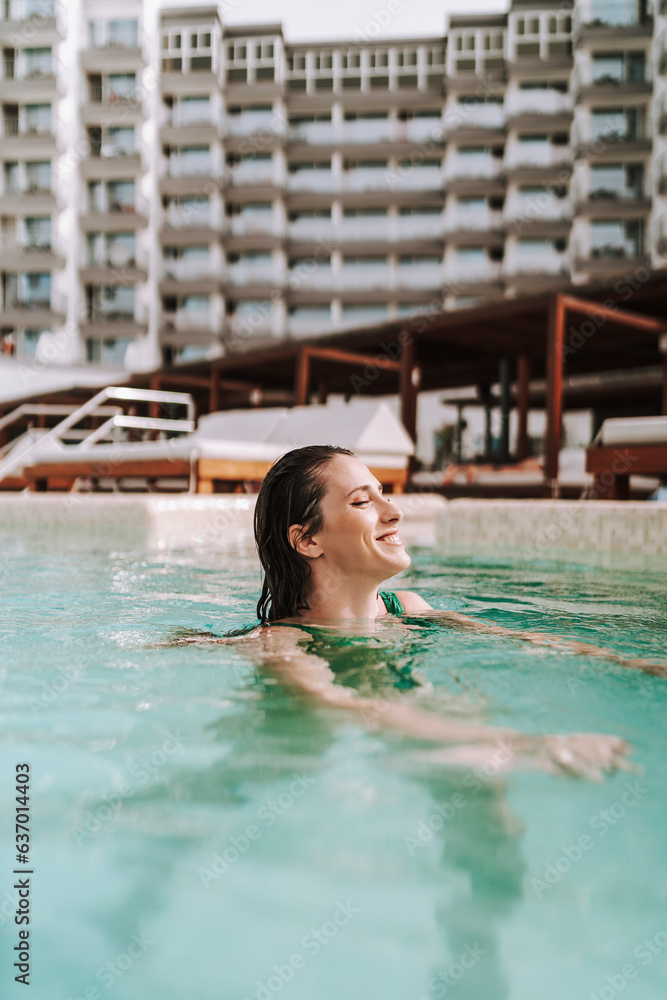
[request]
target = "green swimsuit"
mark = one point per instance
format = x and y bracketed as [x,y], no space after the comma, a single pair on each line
[356,660]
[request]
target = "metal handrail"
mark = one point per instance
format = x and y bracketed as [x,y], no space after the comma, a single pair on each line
[49,410]
[93,404]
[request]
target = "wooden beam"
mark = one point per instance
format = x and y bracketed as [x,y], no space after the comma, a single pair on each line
[554,401]
[301,374]
[523,391]
[648,323]
[352,358]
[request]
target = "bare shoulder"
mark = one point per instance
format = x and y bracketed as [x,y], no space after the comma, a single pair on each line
[412,601]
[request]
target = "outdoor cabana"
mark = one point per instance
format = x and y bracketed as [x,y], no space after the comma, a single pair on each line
[595,333]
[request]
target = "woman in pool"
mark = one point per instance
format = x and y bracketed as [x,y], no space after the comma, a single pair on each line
[327,537]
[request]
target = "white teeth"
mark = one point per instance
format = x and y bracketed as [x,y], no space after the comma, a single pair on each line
[391,539]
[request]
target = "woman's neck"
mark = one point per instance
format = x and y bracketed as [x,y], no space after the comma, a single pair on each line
[343,599]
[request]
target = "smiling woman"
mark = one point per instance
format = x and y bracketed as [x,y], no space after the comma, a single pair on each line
[327,538]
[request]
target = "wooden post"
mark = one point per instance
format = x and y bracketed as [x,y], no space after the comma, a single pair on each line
[523,376]
[322,392]
[555,341]
[154,408]
[504,379]
[214,391]
[409,379]
[301,375]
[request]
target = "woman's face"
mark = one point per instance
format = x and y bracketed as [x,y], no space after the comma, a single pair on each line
[360,525]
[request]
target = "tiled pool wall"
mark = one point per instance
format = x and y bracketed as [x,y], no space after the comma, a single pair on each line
[527,528]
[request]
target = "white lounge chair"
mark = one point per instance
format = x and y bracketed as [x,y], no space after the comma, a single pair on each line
[232,447]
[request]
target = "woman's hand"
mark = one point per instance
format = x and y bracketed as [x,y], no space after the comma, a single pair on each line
[585,755]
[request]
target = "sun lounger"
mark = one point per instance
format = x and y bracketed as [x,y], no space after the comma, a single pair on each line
[231,448]
[624,447]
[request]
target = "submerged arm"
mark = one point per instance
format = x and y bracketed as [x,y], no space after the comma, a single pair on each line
[412,602]
[582,754]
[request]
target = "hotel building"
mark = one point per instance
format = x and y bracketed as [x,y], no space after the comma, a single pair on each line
[173,187]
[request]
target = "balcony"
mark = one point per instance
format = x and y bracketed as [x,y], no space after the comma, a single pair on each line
[611,19]
[479,167]
[418,227]
[473,116]
[261,174]
[478,221]
[365,277]
[197,215]
[244,274]
[541,208]
[305,325]
[530,154]
[541,261]
[310,277]
[538,101]
[367,130]
[44,19]
[612,135]
[473,271]
[191,270]
[260,224]
[185,321]
[363,228]
[371,179]
[247,124]
[613,79]
[318,230]
[312,133]
[419,276]
[311,180]
[186,166]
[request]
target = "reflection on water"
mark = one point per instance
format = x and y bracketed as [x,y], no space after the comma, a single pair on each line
[257,846]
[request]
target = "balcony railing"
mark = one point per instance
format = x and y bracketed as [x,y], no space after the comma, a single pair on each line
[248,125]
[466,272]
[482,221]
[195,167]
[260,224]
[247,174]
[364,229]
[310,180]
[245,274]
[183,321]
[474,168]
[186,270]
[191,217]
[529,155]
[552,265]
[102,95]
[538,101]
[475,115]
[543,207]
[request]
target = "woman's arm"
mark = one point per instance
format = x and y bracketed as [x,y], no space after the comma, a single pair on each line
[413,602]
[582,754]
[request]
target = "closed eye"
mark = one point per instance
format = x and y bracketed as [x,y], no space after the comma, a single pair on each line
[359,503]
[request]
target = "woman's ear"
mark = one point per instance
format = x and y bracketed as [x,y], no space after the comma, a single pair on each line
[305,545]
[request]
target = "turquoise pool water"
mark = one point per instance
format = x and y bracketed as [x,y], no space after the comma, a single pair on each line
[199,834]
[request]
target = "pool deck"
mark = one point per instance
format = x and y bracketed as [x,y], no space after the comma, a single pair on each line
[529,529]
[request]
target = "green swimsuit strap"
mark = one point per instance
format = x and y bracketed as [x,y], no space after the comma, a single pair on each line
[391,602]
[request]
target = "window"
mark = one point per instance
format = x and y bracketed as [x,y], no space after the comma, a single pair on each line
[121,87]
[617,238]
[617,124]
[38,117]
[120,142]
[610,181]
[38,233]
[38,62]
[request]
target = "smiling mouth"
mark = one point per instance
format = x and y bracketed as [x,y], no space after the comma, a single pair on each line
[389,539]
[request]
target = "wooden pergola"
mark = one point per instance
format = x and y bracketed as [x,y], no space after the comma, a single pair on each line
[544,336]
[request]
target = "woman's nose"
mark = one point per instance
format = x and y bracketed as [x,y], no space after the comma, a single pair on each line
[391,512]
